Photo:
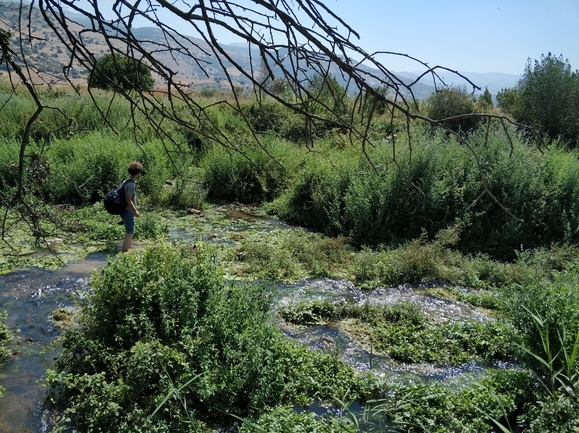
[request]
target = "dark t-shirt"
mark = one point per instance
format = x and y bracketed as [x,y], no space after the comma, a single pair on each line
[131,191]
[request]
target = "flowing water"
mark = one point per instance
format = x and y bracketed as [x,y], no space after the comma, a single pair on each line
[31,296]
[332,337]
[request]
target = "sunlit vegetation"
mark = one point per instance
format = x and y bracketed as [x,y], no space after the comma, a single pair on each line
[405,333]
[6,336]
[166,342]
[163,344]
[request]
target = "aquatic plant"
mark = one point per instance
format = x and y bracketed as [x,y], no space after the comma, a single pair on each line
[467,403]
[403,332]
[6,337]
[161,319]
[286,419]
[290,255]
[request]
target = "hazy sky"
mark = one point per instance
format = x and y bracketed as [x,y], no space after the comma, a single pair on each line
[464,35]
[468,35]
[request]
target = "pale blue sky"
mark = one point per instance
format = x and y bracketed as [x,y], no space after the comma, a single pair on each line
[467,35]
[464,35]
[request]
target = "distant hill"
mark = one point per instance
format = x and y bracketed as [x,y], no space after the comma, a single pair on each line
[47,53]
[494,81]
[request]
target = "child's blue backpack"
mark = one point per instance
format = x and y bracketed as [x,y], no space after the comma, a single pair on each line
[115,202]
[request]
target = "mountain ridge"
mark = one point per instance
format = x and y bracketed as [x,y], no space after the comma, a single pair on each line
[47,52]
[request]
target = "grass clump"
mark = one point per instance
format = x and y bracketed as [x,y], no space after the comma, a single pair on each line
[163,344]
[6,337]
[290,255]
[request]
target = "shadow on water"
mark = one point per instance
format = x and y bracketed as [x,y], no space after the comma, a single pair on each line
[30,296]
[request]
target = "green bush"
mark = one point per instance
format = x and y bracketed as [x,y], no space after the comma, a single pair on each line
[164,344]
[8,165]
[184,195]
[112,72]
[463,404]
[249,175]
[315,197]
[453,102]
[514,198]
[546,98]
[546,314]
[556,304]
[286,419]
[84,169]
[6,337]
[275,119]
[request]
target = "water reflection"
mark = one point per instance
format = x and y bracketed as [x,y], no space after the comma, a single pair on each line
[30,297]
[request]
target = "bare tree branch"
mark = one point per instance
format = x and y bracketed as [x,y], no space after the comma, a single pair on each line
[291,40]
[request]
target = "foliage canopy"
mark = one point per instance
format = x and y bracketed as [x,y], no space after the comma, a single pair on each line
[547,98]
[118,71]
[446,104]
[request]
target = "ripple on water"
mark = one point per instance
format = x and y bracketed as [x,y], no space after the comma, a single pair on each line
[331,337]
[29,297]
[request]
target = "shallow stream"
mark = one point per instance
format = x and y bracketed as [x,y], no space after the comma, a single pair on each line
[31,296]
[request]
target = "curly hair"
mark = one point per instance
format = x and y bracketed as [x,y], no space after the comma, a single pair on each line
[135,168]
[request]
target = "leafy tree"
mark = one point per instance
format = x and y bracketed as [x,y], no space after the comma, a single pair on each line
[328,95]
[121,72]
[485,101]
[507,99]
[447,105]
[546,98]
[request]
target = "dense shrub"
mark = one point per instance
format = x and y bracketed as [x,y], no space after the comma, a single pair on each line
[465,403]
[162,331]
[121,72]
[287,419]
[251,175]
[83,169]
[556,304]
[8,165]
[452,102]
[546,98]
[515,197]
[275,119]
[546,314]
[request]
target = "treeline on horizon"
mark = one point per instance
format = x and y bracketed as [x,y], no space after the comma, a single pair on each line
[502,193]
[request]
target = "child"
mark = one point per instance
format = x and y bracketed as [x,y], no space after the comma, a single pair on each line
[128,216]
